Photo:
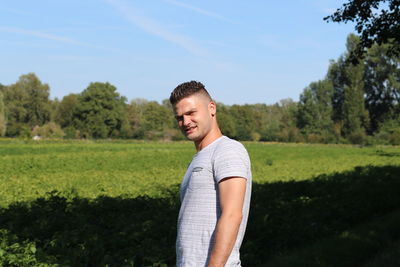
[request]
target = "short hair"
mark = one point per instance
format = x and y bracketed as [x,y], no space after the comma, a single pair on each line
[187,89]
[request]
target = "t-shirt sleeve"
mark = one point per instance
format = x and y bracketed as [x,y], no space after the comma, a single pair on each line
[230,160]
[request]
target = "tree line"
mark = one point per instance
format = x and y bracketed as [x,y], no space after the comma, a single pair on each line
[354,103]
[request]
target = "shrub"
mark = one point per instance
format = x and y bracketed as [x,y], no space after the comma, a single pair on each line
[18,130]
[71,133]
[16,253]
[49,130]
[382,138]
[290,134]
[357,137]
[314,138]
[3,125]
[174,135]
[255,136]
[394,137]
[371,141]
[389,132]
[153,135]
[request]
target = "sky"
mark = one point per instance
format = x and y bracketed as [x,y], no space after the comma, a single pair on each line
[244,52]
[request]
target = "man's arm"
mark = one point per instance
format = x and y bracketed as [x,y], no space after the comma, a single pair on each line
[231,196]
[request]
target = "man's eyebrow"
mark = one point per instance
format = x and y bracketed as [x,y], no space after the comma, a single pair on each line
[190,111]
[185,113]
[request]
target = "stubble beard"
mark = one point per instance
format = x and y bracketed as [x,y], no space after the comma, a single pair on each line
[192,134]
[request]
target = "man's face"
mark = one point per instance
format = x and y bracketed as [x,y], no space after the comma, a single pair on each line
[194,115]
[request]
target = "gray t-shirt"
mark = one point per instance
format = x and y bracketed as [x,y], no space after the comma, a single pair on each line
[200,207]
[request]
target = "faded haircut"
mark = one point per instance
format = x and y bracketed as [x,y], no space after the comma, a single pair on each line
[187,89]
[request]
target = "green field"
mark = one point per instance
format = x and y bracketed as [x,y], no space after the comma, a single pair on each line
[114,203]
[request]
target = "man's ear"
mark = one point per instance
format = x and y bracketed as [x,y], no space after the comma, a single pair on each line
[212,107]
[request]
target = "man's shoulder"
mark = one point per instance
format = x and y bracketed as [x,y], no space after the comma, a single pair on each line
[230,143]
[229,147]
[231,159]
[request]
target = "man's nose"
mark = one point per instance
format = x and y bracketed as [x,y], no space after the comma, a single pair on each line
[186,120]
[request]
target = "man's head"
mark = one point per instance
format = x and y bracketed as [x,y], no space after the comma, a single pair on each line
[187,89]
[194,111]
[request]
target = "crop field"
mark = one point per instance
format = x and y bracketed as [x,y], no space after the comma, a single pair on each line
[115,203]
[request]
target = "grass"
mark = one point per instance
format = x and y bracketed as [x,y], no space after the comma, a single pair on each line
[332,220]
[351,247]
[115,203]
[389,257]
[29,170]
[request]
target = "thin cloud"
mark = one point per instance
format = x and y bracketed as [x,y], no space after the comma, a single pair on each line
[283,44]
[329,11]
[199,10]
[17,11]
[43,35]
[272,41]
[73,58]
[153,27]
[87,28]
[220,44]
[52,37]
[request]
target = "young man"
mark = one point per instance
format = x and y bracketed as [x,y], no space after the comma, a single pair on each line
[215,191]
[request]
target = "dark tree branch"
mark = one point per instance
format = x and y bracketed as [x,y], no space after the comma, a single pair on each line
[376,21]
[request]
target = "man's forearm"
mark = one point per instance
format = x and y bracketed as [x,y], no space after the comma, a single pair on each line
[225,237]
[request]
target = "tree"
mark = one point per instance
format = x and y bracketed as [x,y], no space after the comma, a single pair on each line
[38,103]
[380,78]
[382,85]
[135,117]
[288,131]
[355,118]
[273,122]
[260,113]
[156,119]
[377,21]
[101,111]
[225,120]
[315,108]
[48,130]
[27,104]
[66,109]
[336,74]
[348,102]
[150,120]
[3,124]
[244,121]
[53,108]
[15,99]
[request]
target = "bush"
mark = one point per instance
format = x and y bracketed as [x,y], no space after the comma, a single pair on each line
[255,136]
[13,252]
[153,135]
[394,137]
[71,133]
[389,132]
[371,141]
[49,130]
[314,138]
[382,138]
[357,138]
[290,134]
[174,135]
[3,125]
[18,130]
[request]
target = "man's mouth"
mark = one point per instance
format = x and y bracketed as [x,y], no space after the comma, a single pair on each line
[190,129]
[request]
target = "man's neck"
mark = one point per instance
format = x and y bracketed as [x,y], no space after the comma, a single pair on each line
[208,139]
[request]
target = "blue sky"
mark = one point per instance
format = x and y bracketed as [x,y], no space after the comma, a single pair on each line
[255,51]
